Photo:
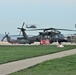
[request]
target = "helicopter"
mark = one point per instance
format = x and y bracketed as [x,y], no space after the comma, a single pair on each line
[13,41]
[31,26]
[31,39]
[53,35]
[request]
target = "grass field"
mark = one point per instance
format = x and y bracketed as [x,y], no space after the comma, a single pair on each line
[12,53]
[61,66]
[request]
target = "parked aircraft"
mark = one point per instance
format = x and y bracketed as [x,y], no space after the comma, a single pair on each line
[56,35]
[31,26]
[53,35]
[25,36]
[13,41]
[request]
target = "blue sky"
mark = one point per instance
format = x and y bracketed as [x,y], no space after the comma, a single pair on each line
[43,13]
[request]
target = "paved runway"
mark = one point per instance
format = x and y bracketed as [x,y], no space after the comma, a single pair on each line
[23,64]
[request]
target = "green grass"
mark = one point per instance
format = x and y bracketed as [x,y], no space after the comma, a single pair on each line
[13,53]
[61,66]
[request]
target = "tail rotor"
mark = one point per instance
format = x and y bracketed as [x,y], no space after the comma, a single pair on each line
[6,34]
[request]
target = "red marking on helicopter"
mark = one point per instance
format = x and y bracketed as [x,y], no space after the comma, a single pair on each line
[44,42]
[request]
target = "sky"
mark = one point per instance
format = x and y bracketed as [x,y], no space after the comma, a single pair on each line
[42,13]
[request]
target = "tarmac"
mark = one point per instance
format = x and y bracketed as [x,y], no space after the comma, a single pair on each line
[37,43]
[11,67]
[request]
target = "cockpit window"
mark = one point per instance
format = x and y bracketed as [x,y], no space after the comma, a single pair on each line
[56,36]
[61,36]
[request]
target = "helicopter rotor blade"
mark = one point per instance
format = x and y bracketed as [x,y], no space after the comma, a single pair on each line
[21,29]
[5,33]
[34,29]
[20,33]
[45,29]
[8,33]
[23,24]
[67,30]
[3,38]
[18,28]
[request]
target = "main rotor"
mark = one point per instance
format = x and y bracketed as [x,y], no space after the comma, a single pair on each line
[22,28]
[45,30]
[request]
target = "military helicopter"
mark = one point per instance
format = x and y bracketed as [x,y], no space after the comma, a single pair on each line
[13,41]
[25,36]
[31,26]
[53,35]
